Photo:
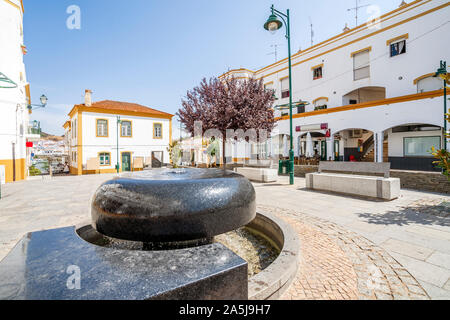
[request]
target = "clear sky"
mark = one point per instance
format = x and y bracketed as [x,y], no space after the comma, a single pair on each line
[151,52]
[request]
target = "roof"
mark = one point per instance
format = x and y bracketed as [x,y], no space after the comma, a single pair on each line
[118,107]
[66,124]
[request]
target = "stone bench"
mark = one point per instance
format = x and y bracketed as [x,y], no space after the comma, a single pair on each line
[349,178]
[259,163]
[258,174]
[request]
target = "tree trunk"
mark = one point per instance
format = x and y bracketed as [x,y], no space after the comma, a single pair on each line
[224,158]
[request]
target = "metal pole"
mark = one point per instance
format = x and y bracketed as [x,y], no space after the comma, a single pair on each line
[291,151]
[117,131]
[445,117]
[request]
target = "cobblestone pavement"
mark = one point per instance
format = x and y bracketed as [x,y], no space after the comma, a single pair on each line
[340,265]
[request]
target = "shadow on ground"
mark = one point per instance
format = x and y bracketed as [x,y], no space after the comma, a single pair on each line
[421,214]
[342,195]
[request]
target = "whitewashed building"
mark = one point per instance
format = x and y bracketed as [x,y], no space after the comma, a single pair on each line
[97,141]
[370,90]
[15,130]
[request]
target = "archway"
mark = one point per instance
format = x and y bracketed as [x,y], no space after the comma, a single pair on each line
[354,144]
[409,146]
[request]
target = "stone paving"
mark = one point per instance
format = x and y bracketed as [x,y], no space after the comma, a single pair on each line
[414,229]
[340,265]
[348,242]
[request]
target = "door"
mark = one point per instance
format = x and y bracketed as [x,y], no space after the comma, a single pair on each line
[126,161]
[157,159]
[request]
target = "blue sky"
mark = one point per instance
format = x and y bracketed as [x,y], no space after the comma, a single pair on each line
[151,52]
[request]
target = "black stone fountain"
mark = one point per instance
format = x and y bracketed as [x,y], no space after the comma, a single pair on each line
[151,237]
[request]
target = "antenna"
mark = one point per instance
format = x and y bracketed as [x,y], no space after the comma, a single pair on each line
[275,52]
[356,9]
[312,32]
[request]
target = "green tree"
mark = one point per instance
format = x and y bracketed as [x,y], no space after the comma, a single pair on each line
[443,156]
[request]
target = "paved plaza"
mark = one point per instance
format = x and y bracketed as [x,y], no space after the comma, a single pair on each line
[352,248]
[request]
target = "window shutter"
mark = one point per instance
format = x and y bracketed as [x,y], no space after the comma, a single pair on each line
[361,59]
[285,84]
[361,62]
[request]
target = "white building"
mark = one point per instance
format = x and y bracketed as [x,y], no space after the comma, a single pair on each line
[97,141]
[371,91]
[14,93]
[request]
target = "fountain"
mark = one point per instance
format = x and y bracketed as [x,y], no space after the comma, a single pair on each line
[157,234]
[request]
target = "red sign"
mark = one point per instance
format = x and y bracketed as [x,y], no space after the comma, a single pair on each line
[29,144]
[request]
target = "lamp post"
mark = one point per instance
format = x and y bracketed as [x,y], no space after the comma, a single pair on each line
[43,104]
[273,24]
[117,164]
[442,73]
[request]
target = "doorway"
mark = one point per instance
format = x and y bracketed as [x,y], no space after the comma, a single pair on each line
[126,161]
[157,159]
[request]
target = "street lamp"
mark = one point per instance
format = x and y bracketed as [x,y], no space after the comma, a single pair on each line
[43,104]
[273,24]
[442,73]
[117,164]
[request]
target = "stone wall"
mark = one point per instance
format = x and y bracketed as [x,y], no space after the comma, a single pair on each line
[423,181]
[301,171]
[416,180]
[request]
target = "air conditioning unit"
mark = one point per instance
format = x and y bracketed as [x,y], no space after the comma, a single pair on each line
[357,133]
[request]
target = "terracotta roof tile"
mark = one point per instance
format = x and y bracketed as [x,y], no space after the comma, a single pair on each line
[126,106]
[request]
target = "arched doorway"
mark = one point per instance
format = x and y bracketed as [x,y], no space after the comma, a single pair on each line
[312,145]
[354,144]
[409,146]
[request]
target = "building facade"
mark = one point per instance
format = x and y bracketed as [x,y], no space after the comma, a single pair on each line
[15,129]
[367,94]
[101,135]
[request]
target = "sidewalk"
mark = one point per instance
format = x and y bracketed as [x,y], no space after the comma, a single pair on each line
[419,241]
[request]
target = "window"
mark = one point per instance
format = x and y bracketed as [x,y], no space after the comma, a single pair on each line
[157,131]
[361,65]
[429,83]
[353,101]
[285,88]
[398,48]
[268,86]
[126,129]
[105,158]
[317,73]
[75,128]
[321,103]
[301,109]
[420,146]
[102,128]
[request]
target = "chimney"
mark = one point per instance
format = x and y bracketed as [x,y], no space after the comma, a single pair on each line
[346,28]
[402,4]
[88,98]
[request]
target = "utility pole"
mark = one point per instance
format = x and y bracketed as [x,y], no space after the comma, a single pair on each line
[356,9]
[117,132]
